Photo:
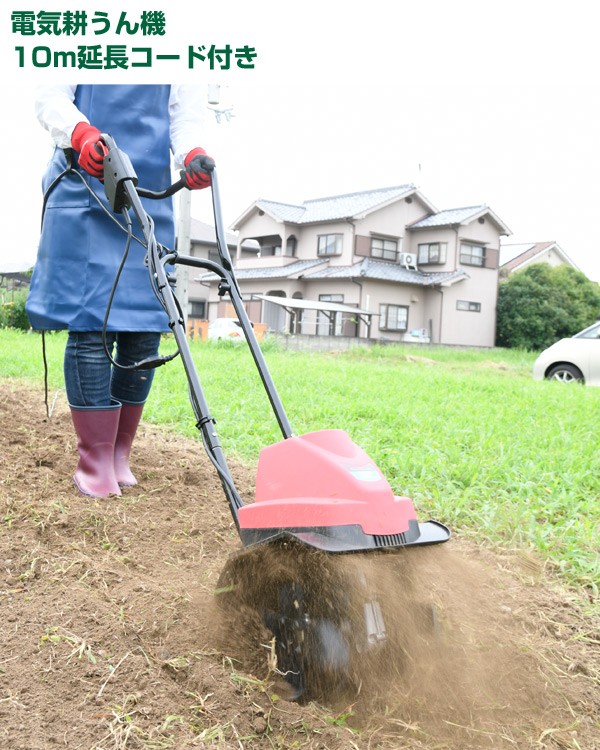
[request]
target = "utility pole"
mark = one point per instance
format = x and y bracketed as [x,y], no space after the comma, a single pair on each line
[184,243]
[183,248]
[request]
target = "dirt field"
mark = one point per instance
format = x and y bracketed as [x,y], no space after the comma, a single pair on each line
[110,637]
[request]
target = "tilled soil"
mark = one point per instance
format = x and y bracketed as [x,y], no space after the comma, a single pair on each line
[112,635]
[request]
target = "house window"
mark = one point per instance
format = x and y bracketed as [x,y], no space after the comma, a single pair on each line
[384,249]
[198,309]
[330,244]
[432,252]
[330,323]
[472,255]
[393,317]
[463,304]
[290,248]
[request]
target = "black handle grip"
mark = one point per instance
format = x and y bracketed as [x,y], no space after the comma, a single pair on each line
[171,190]
[118,168]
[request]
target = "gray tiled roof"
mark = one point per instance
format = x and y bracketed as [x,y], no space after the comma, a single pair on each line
[371,270]
[270,272]
[381,271]
[334,207]
[366,268]
[282,211]
[449,217]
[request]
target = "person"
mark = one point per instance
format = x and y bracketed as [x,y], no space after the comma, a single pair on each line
[81,248]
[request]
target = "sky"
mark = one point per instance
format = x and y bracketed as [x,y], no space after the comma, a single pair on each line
[492,103]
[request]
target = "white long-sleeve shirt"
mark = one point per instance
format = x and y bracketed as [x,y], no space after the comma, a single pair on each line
[58,114]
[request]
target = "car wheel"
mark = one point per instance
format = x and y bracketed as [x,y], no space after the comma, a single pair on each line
[565,373]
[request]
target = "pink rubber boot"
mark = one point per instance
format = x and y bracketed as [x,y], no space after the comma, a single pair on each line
[96,432]
[128,424]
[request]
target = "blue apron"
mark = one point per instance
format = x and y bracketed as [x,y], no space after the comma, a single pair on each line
[80,247]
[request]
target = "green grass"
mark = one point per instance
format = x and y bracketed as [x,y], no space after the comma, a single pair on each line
[466,433]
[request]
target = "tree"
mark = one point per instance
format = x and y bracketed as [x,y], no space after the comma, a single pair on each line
[543,303]
[13,315]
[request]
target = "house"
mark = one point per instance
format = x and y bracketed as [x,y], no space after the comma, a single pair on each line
[382,264]
[12,282]
[516,256]
[203,244]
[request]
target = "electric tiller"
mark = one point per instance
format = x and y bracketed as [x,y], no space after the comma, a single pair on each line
[316,494]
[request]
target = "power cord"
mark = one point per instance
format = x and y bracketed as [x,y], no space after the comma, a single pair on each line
[149,362]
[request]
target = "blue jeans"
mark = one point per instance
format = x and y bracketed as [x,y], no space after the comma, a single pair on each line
[92,381]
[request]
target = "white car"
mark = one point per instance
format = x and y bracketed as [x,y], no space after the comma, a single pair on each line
[226,329]
[573,360]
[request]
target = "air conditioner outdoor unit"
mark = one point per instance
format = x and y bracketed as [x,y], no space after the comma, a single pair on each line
[408,260]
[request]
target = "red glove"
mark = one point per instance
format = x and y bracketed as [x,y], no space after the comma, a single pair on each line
[198,166]
[86,140]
